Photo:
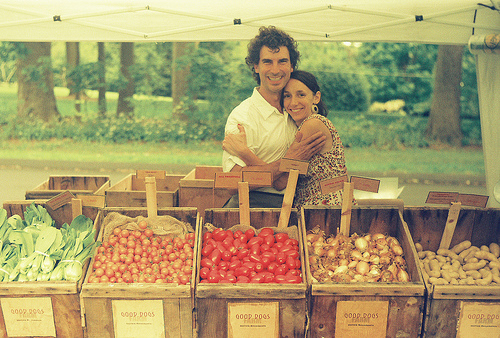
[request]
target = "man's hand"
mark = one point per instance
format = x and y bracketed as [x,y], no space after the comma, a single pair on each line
[304,149]
[235,144]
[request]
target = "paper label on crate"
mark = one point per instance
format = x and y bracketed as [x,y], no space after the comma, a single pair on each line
[287,164]
[258,178]
[59,200]
[332,185]
[361,319]
[437,197]
[227,180]
[253,320]
[27,317]
[157,174]
[138,318]
[478,320]
[473,200]
[365,184]
[96,201]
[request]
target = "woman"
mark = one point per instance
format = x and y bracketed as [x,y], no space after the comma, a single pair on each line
[301,99]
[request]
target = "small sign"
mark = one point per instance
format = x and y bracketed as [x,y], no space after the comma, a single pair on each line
[436,197]
[28,317]
[361,319]
[157,174]
[332,185]
[473,200]
[96,201]
[478,320]
[227,180]
[59,200]
[288,164]
[365,184]
[258,178]
[253,320]
[138,318]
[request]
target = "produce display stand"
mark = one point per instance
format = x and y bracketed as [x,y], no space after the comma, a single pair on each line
[219,305]
[76,184]
[131,191]
[376,309]
[196,189]
[44,309]
[458,310]
[173,300]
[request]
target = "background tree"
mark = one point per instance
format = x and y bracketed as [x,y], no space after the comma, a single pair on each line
[180,75]
[101,59]
[35,93]
[73,61]
[126,93]
[444,117]
[8,59]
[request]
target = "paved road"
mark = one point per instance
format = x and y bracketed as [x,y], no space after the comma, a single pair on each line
[16,177]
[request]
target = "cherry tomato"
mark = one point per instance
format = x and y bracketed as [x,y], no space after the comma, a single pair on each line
[242,279]
[207,250]
[281,237]
[255,240]
[250,233]
[265,232]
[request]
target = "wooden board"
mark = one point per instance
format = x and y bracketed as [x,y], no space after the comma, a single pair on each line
[196,189]
[405,301]
[131,192]
[212,299]
[481,226]
[177,300]
[77,184]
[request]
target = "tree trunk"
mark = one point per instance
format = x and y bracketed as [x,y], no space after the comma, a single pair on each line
[179,78]
[35,94]
[73,60]
[444,117]
[125,104]
[101,58]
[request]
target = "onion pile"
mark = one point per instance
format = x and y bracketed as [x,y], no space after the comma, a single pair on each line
[368,258]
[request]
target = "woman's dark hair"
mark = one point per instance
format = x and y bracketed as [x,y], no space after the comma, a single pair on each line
[272,38]
[310,81]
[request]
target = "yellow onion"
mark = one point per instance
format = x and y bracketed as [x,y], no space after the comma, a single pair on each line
[355,254]
[331,253]
[361,244]
[362,267]
[399,260]
[398,250]
[343,262]
[403,276]
[374,259]
[352,264]
[378,236]
[341,269]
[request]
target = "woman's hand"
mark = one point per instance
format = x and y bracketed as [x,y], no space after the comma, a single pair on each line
[236,144]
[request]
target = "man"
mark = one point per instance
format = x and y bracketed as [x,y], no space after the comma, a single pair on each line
[268,131]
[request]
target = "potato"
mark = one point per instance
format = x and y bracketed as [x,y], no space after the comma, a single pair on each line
[495,249]
[461,247]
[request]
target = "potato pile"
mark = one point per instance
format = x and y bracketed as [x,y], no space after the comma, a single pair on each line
[464,264]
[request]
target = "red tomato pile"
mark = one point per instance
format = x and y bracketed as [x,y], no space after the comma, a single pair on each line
[243,257]
[141,257]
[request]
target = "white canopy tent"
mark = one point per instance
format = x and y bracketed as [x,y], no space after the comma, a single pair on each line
[421,21]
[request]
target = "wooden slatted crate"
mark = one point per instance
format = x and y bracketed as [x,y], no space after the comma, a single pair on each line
[50,308]
[131,192]
[458,310]
[285,303]
[196,189]
[337,308]
[102,302]
[76,184]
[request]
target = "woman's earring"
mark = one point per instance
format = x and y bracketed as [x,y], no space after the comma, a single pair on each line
[314,109]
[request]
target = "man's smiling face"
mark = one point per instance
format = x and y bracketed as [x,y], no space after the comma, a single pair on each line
[274,69]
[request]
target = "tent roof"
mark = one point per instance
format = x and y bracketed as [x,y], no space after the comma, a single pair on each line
[424,21]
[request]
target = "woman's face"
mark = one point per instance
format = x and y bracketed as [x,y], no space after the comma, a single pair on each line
[298,100]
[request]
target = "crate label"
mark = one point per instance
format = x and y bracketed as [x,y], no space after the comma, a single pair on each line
[332,185]
[365,184]
[473,200]
[138,318]
[96,201]
[258,178]
[437,197]
[361,318]
[253,320]
[27,317]
[157,174]
[478,320]
[287,164]
[227,180]
[59,200]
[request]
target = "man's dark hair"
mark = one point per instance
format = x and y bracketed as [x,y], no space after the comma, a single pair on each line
[272,38]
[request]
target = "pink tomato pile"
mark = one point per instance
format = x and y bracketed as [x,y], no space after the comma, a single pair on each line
[246,257]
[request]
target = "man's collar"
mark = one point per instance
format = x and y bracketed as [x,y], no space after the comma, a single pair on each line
[264,107]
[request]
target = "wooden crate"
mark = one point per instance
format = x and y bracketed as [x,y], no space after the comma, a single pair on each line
[131,192]
[76,184]
[214,301]
[196,189]
[401,304]
[59,300]
[175,301]
[448,306]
